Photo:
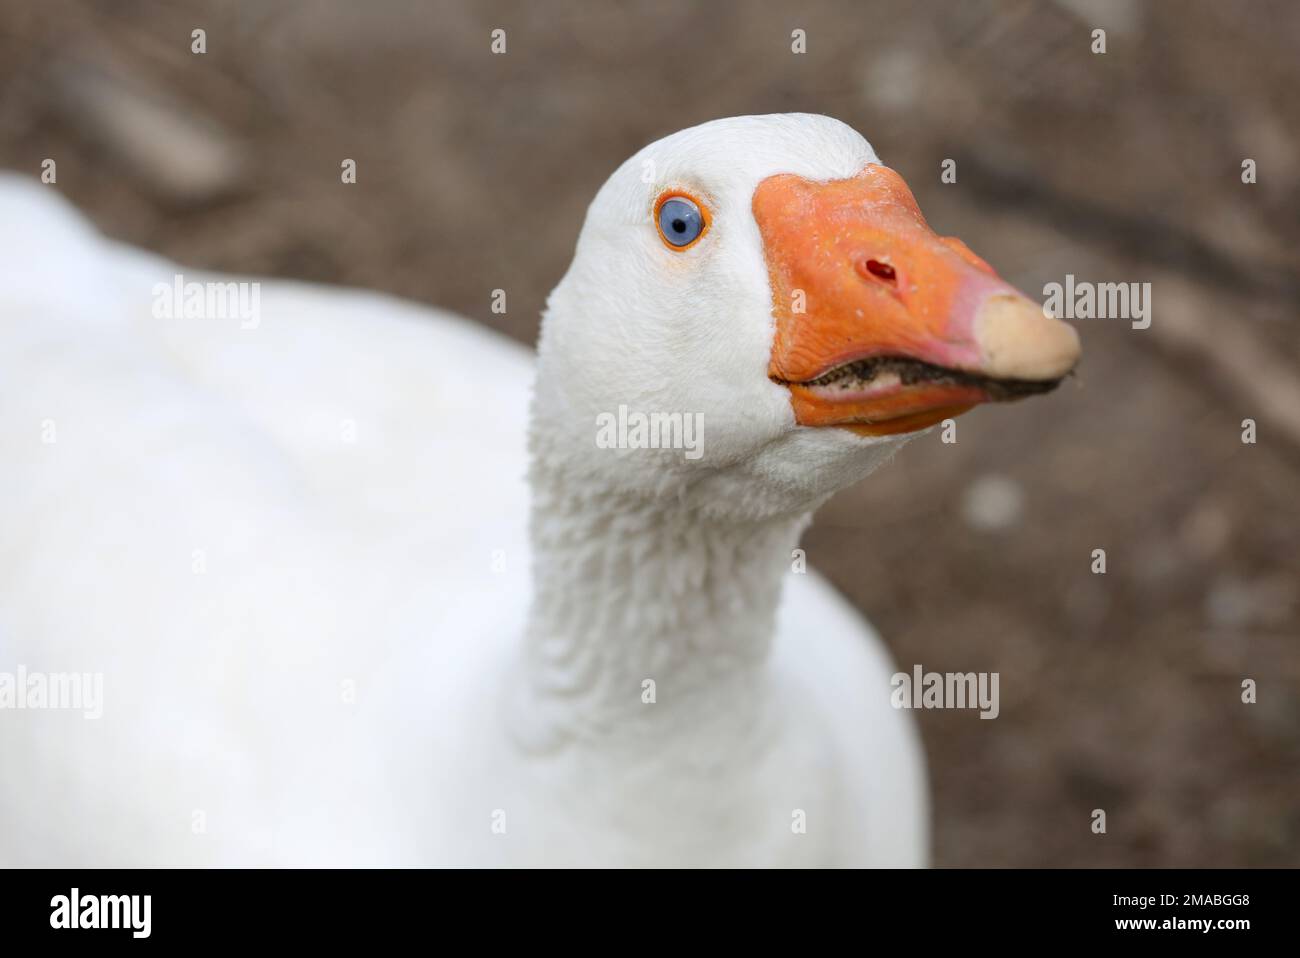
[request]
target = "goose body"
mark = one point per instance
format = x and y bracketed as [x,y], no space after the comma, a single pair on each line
[301,558]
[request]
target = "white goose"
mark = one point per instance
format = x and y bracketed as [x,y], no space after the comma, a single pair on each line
[298,553]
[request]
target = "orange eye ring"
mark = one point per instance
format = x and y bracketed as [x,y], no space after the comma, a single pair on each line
[706,217]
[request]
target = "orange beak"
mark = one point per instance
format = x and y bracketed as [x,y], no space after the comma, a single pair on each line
[881,325]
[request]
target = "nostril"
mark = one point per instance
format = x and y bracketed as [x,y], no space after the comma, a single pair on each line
[881,270]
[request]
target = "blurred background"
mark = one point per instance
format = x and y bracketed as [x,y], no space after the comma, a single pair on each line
[1119,691]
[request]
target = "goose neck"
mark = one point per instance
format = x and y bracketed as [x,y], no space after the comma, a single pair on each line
[641,602]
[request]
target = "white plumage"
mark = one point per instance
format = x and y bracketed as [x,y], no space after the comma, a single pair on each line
[299,555]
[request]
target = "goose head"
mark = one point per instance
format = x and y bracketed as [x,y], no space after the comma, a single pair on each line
[768,277]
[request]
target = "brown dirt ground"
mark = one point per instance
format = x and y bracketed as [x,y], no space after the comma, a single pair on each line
[1118,691]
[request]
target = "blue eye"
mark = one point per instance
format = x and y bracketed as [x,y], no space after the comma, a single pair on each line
[680,221]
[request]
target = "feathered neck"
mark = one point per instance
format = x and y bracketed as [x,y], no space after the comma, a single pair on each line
[647,616]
